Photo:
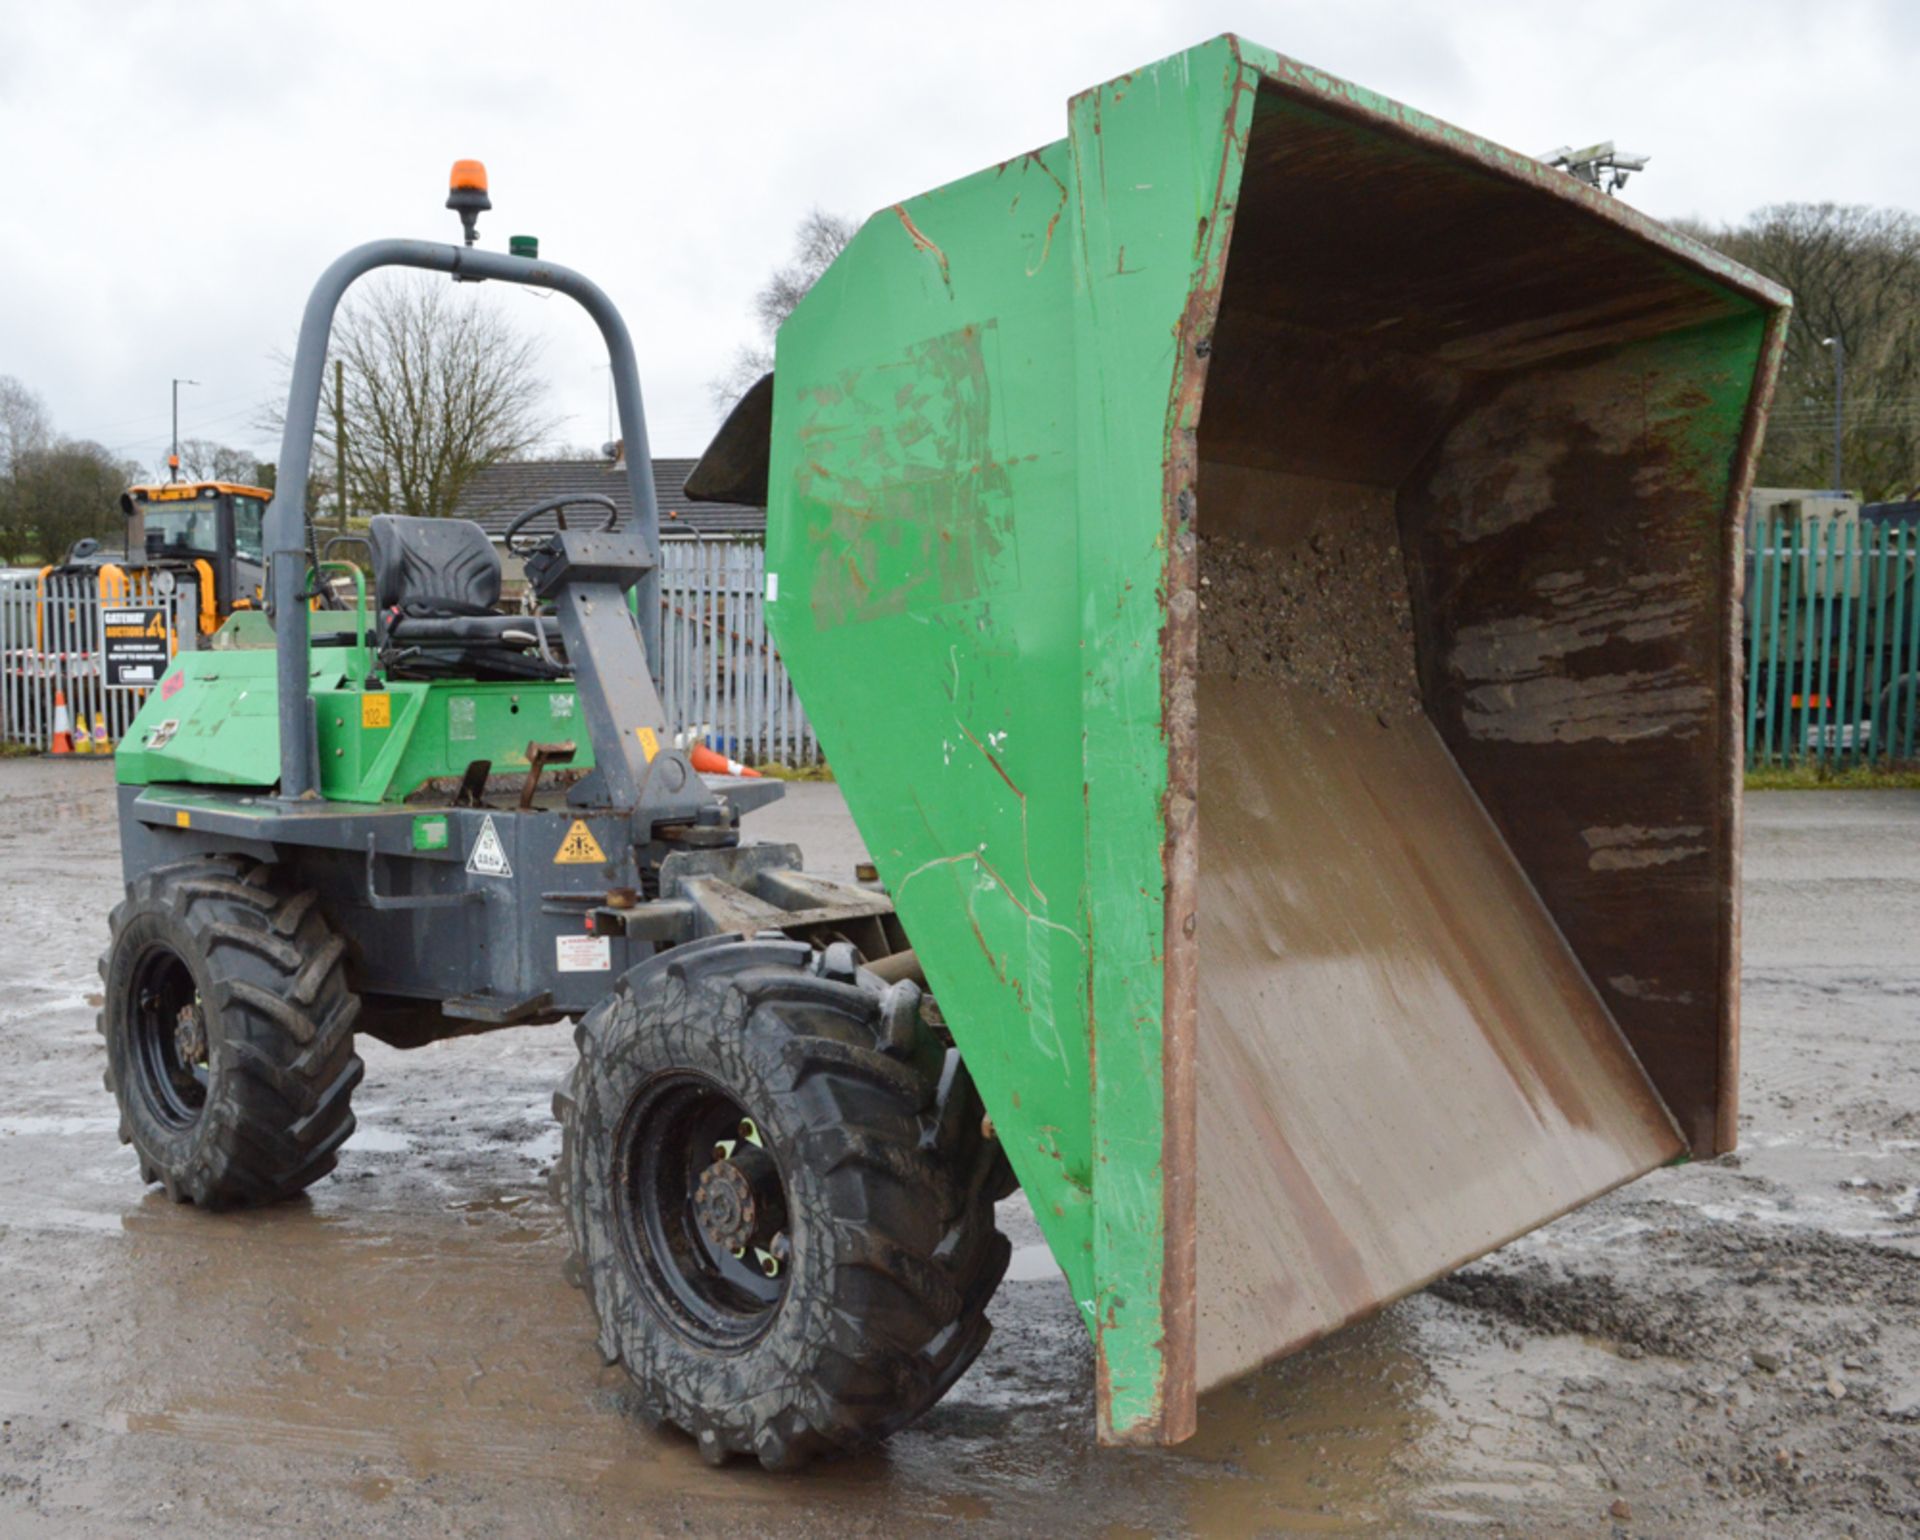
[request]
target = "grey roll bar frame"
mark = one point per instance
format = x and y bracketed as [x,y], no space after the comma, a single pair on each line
[286,523]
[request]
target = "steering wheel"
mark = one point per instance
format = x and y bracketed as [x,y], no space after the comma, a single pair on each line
[558,506]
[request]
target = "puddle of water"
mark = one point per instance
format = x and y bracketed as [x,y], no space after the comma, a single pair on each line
[1320,1442]
[56,1127]
[543,1149]
[1032,1264]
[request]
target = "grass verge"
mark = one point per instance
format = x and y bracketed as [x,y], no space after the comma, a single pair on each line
[1823,777]
[796,772]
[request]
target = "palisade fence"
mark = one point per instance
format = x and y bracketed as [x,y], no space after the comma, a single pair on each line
[1832,642]
[723,682]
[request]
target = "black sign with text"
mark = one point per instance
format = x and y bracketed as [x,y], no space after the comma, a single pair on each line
[136,647]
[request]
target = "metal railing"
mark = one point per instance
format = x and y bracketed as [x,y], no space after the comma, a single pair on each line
[722,681]
[50,647]
[1832,642]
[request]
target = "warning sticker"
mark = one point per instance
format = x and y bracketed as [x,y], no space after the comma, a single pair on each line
[489,858]
[649,742]
[582,954]
[376,710]
[579,848]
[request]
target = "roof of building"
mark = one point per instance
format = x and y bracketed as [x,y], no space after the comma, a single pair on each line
[501,492]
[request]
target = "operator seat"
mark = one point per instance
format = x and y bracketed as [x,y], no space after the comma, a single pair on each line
[436,582]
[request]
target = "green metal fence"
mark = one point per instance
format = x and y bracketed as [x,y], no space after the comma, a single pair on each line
[1833,642]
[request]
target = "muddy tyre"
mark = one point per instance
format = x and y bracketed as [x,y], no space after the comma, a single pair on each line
[229,1033]
[780,1198]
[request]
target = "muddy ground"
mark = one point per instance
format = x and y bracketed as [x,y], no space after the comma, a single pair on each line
[1721,1349]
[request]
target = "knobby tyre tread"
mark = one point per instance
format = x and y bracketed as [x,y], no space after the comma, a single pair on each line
[281,1067]
[889,1178]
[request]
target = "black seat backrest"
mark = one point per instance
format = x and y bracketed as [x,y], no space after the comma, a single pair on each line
[425,567]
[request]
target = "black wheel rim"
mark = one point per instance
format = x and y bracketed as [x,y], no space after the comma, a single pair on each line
[169,1030]
[673,1131]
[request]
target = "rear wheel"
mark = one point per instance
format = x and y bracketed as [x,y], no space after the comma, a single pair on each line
[780,1198]
[229,1033]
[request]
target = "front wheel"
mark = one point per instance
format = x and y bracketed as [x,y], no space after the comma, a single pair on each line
[229,1029]
[780,1198]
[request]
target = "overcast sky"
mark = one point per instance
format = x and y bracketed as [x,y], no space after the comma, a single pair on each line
[176,175]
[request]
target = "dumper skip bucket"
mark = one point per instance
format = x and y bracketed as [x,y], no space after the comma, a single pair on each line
[1264,570]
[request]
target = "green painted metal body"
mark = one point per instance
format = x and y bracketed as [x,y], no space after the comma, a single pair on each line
[212,722]
[982,490]
[984,363]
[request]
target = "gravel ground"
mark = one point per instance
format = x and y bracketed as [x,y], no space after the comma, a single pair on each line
[1730,1348]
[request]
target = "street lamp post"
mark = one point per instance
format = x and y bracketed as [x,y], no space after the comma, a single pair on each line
[173,459]
[1839,401]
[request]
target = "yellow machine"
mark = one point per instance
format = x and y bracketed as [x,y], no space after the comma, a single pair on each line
[207,533]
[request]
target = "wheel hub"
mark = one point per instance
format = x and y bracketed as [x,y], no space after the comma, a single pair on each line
[737,1201]
[724,1203]
[189,1035]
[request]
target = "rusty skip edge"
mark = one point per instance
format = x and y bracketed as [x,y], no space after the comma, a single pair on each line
[1733,720]
[1180,849]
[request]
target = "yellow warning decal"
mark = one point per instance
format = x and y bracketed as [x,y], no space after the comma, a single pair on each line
[579,848]
[182,818]
[649,742]
[376,710]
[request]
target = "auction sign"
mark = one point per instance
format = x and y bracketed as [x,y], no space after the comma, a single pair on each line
[137,650]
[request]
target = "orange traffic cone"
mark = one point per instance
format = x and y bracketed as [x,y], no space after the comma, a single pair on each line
[82,739]
[62,724]
[709,763]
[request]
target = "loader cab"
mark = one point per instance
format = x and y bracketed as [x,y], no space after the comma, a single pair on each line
[211,531]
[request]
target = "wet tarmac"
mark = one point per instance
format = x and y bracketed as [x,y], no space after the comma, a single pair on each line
[1729,1348]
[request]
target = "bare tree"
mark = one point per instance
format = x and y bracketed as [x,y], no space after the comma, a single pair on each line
[1855,275]
[23,430]
[819,239]
[438,388]
[202,459]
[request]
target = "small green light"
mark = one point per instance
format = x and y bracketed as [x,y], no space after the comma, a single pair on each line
[523,246]
[429,833]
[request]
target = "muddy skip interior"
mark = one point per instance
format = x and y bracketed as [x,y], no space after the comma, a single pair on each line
[1464,782]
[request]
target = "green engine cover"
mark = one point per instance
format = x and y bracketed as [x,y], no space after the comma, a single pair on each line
[212,721]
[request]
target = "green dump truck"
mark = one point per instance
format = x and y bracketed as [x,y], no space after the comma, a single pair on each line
[1264,570]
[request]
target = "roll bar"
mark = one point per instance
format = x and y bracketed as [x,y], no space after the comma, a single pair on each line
[286,515]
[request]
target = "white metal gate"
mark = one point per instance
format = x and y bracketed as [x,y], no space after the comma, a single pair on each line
[50,647]
[722,680]
[720,675]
